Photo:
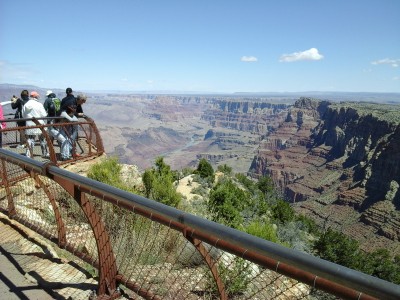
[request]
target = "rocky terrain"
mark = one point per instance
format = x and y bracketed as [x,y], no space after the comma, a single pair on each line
[337,162]
[340,164]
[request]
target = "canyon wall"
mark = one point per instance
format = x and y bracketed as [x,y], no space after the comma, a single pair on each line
[340,164]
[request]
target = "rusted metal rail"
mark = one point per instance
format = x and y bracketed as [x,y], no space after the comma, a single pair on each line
[87,144]
[139,246]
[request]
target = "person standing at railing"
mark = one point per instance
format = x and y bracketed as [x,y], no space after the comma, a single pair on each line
[51,103]
[69,132]
[68,109]
[55,131]
[80,100]
[18,104]
[3,125]
[34,109]
[68,101]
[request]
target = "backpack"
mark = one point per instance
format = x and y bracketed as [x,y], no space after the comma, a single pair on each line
[54,107]
[57,105]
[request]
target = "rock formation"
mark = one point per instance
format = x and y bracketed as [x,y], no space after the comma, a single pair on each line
[340,164]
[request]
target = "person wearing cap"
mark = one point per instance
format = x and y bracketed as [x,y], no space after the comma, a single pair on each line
[50,109]
[34,109]
[18,104]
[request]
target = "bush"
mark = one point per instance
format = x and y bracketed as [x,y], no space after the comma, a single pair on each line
[200,190]
[283,212]
[107,171]
[225,169]
[338,248]
[226,202]
[158,183]
[381,264]
[236,277]
[294,236]
[262,230]
[205,170]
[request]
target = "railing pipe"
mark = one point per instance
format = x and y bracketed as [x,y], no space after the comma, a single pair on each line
[24,162]
[336,273]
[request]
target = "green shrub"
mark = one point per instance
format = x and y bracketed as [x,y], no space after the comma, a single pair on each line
[200,190]
[107,171]
[205,170]
[226,202]
[236,277]
[283,212]
[227,170]
[158,183]
[262,230]
[338,248]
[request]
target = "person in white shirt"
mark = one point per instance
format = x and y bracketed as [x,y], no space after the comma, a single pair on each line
[34,109]
[70,132]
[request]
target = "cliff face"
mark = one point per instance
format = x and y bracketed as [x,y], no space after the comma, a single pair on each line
[368,146]
[250,116]
[340,163]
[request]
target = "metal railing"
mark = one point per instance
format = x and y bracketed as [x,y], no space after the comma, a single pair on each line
[87,142]
[136,246]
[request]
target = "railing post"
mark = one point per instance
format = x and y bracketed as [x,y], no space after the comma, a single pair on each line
[210,262]
[107,264]
[99,141]
[10,202]
[49,143]
[62,236]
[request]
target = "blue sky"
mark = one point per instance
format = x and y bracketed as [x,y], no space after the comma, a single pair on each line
[202,46]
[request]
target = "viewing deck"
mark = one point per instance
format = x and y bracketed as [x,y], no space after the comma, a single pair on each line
[86,144]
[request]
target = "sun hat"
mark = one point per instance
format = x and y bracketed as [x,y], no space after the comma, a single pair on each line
[35,94]
[49,92]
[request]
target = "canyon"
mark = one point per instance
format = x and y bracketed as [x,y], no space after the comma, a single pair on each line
[337,161]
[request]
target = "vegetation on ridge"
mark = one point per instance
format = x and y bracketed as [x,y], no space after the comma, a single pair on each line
[383,112]
[256,208]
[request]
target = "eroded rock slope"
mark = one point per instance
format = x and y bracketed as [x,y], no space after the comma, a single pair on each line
[340,164]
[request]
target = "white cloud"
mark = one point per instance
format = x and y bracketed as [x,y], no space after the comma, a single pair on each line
[387,61]
[249,59]
[396,78]
[310,54]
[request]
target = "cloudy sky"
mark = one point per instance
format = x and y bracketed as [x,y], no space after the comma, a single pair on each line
[202,46]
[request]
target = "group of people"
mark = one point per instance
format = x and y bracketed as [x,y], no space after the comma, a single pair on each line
[28,107]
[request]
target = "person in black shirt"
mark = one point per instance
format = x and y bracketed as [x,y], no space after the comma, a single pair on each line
[18,104]
[68,101]
[81,99]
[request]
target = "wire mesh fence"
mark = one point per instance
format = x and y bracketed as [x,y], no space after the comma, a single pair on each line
[139,253]
[82,139]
